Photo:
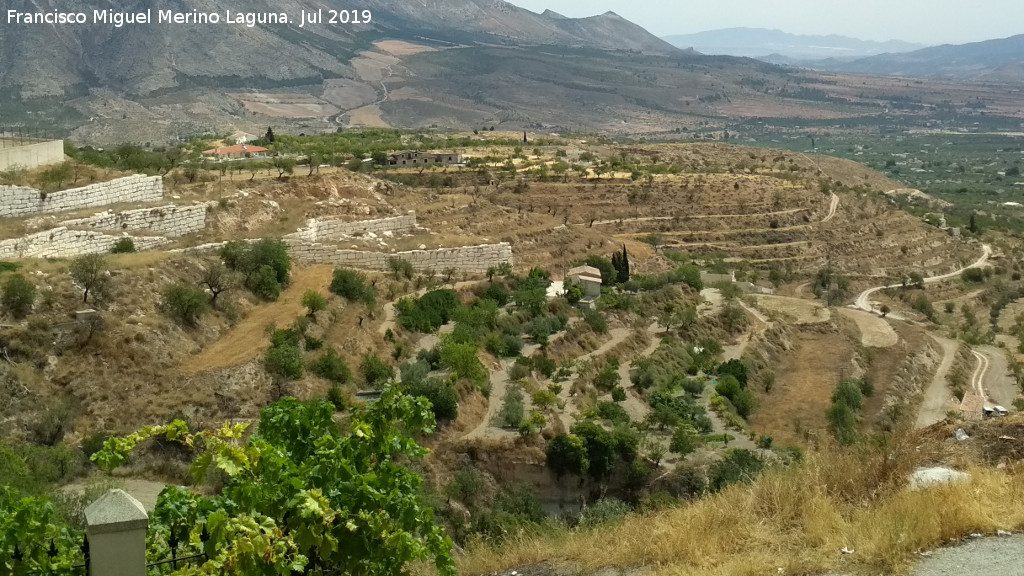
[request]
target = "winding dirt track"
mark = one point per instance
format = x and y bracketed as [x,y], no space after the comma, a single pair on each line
[863,302]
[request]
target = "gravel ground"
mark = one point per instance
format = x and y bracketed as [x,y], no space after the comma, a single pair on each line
[983,557]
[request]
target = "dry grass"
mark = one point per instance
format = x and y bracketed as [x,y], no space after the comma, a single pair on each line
[796,519]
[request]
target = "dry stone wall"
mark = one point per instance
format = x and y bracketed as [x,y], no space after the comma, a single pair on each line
[63,243]
[463,258]
[325,230]
[20,201]
[170,221]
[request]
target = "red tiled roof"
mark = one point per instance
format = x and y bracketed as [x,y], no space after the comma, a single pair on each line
[236,149]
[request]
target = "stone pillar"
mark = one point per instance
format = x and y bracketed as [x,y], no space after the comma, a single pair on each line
[116,527]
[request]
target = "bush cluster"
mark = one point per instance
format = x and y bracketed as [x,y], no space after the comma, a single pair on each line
[264,264]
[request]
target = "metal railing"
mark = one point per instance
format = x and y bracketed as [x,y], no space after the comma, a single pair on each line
[14,136]
[20,569]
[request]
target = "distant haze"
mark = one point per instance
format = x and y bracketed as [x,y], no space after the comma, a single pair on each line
[775,44]
[928,22]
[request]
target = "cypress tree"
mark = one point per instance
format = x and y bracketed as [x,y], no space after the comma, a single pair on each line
[624,270]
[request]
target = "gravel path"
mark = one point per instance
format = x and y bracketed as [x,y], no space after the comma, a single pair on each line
[982,557]
[937,396]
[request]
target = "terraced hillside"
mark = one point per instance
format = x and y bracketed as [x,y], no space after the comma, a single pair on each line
[760,207]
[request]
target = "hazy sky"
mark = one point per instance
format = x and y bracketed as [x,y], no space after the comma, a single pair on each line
[922,21]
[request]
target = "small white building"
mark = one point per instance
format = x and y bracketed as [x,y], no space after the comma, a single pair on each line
[239,137]
[588,277]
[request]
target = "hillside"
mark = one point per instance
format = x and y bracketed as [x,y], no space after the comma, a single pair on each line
[761,42]
[773,347]
[989,60]
[144,59]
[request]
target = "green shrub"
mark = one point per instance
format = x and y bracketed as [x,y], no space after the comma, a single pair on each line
[513,409]
[739,465]
[684,440]
[314,302]
[18,295]
[331,366]
[253,260]
[429,312]
[401,268]
[608,377]
[693,386]
[311,343]
[618,394]
[284,361]
[848,392]
[497,292]
[336,397]
[185,303]
[728,387]
[567,454]
[544,365]
[123,245]
[604,511]
[466,487]
[518,372]
[612,412]
[284,338]
[263,283]
[351,285]
[375,371]
[444,401]
[596,321]
[735,368]
[462,359]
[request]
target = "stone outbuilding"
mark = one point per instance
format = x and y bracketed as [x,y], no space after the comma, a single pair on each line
[590,278]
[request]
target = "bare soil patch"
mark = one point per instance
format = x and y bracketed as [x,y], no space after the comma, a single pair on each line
[801,311]
[402,48]
[875,331]
[803,388]
[248,338]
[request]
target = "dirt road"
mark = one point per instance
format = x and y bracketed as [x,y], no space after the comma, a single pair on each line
[248,338]
[832,209]
[998,384]
[875,332]
[982,557]
[735,351]
[863,302]
[937,396]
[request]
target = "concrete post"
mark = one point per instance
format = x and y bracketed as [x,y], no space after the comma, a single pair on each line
[116,527]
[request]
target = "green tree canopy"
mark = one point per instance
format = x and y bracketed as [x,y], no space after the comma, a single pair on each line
[302,490]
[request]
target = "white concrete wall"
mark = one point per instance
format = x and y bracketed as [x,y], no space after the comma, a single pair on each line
[463,258]
[20,201]
[170,220]
[64,243]
[33,155]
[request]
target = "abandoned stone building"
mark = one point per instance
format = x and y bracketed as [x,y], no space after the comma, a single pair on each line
[415,158]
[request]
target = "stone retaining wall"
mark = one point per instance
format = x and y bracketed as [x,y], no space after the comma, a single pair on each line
[32,155]
[64,243]
[464,258]
[19,200]
[170,221]
[325,230]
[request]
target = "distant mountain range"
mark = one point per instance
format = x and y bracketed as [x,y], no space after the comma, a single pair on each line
[140,59]
[761,42]
[991,60]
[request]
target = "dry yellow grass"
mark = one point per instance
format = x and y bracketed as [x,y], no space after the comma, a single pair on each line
[797,519]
